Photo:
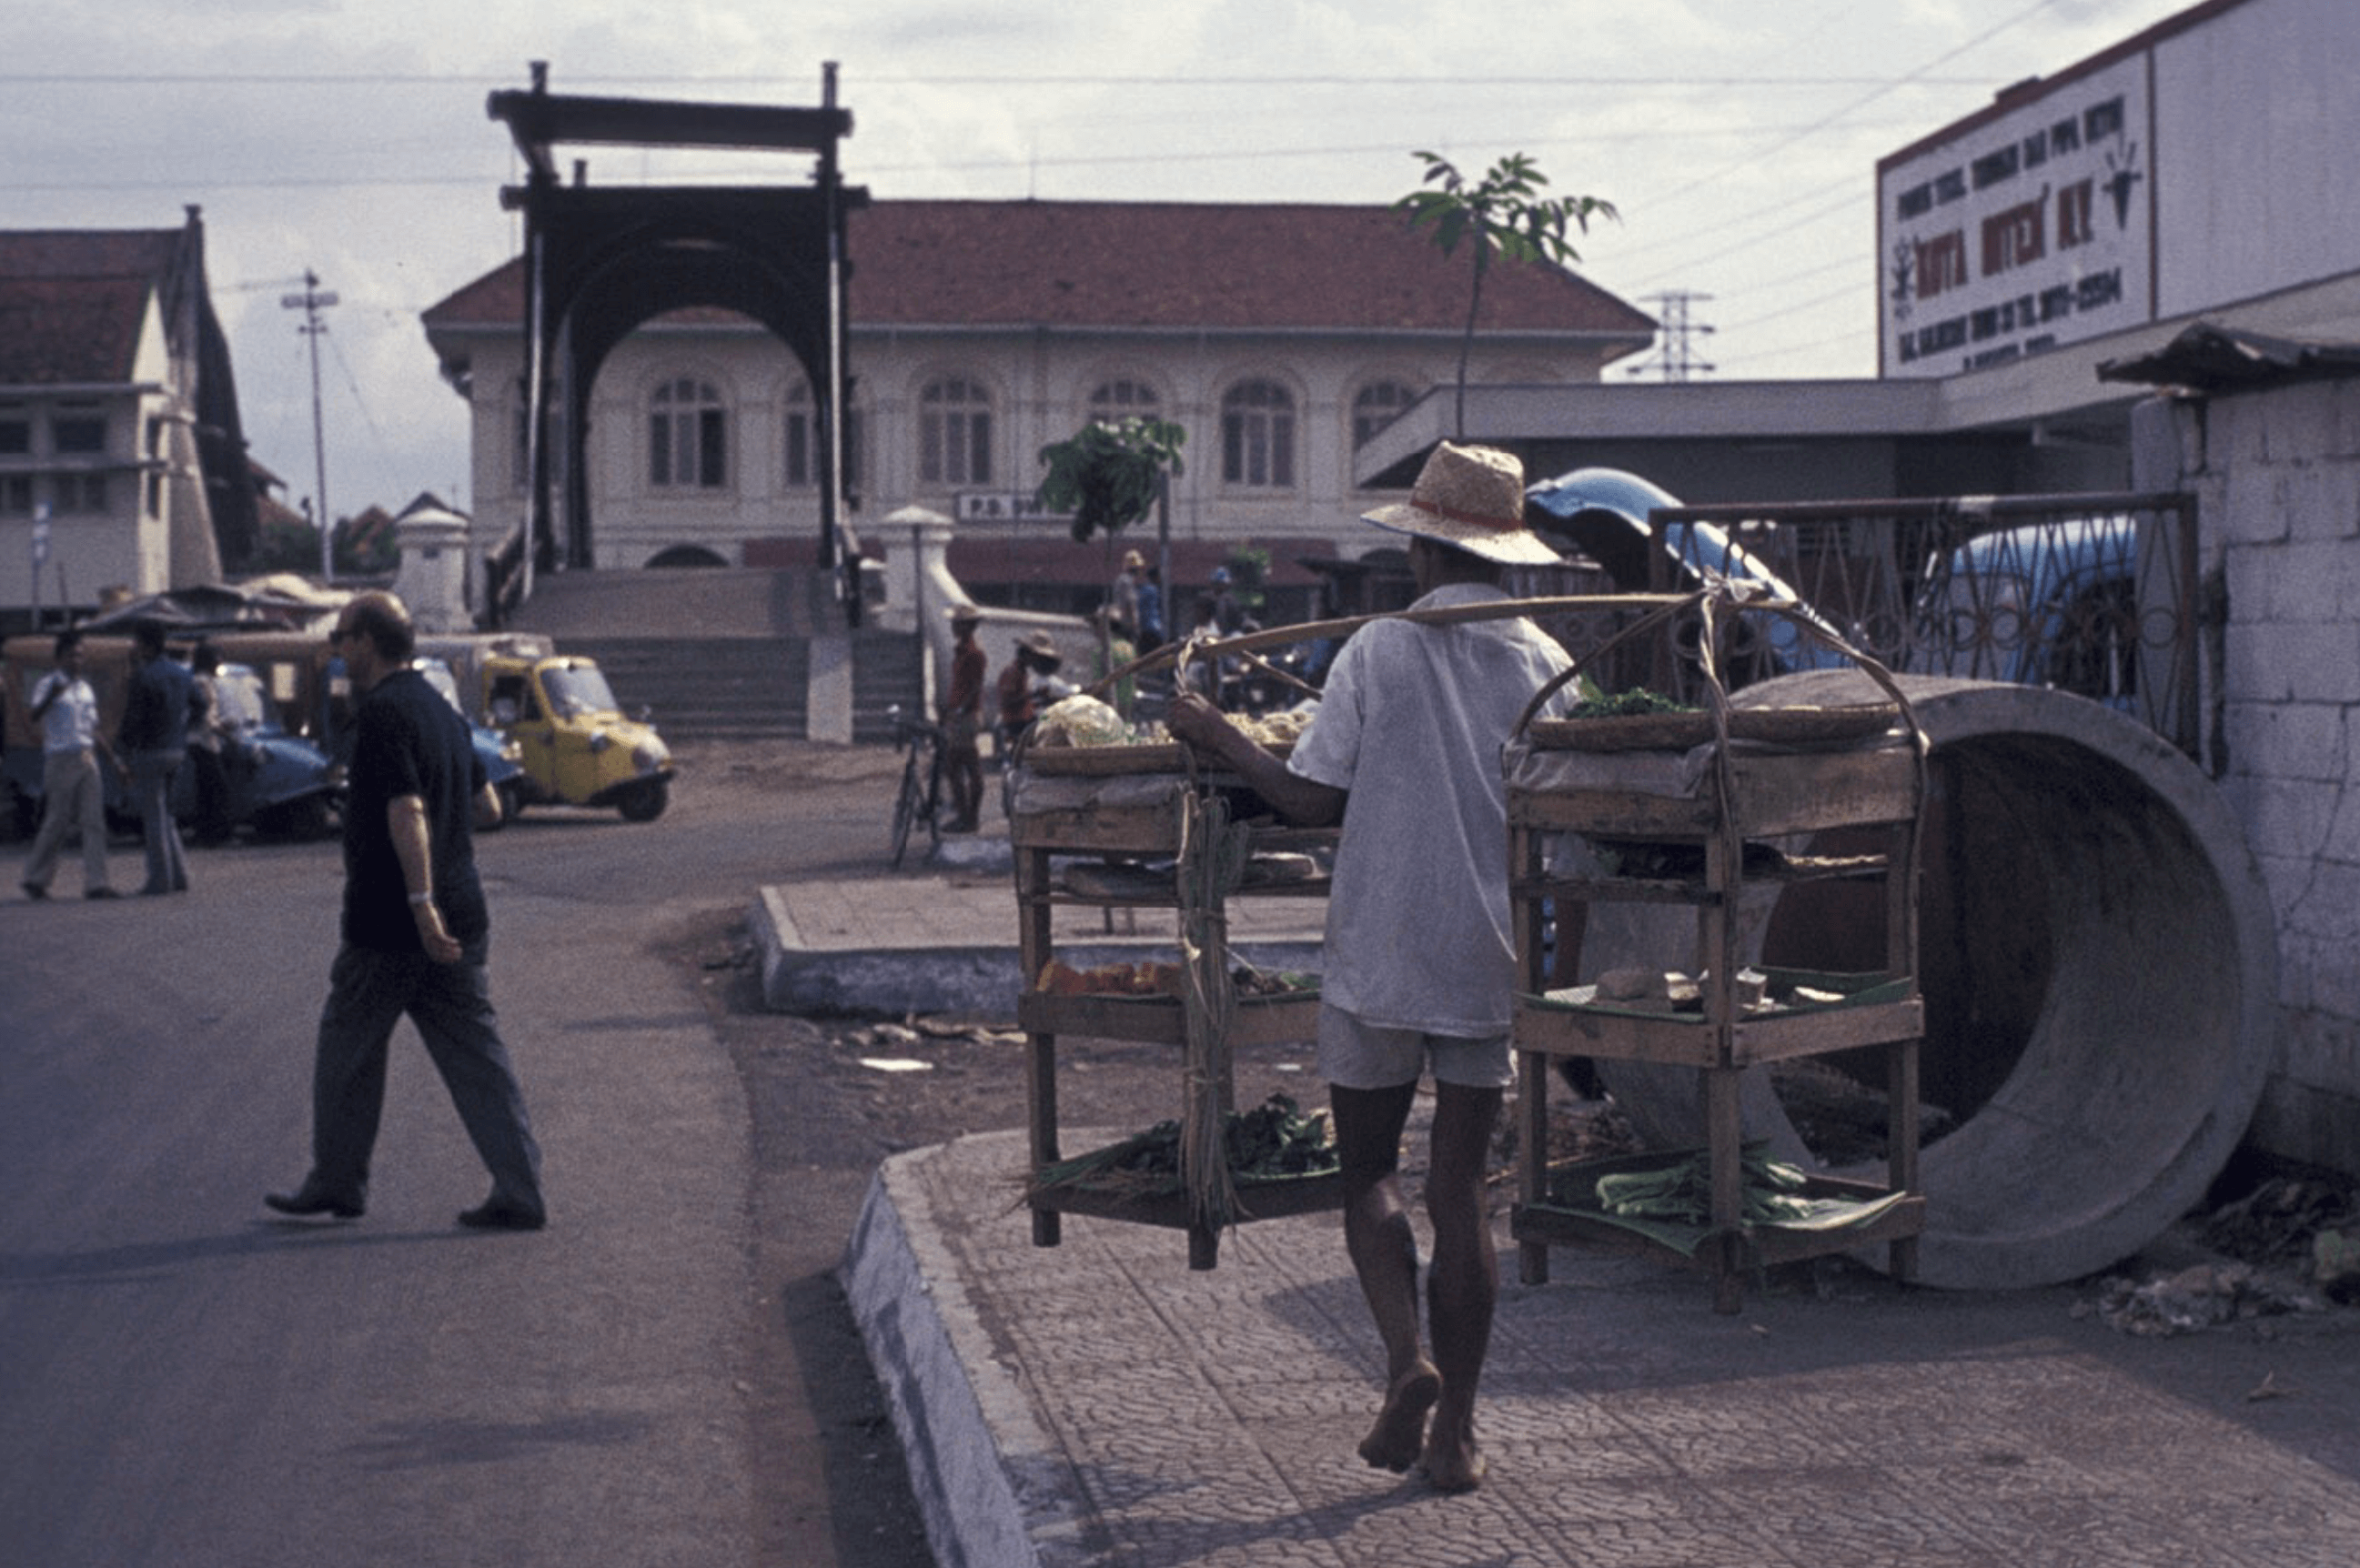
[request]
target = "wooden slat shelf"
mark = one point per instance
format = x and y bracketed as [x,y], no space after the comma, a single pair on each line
[1764,1245]
[1261,1020]
[1267,1200]
[1689,1040]
[1792,870]
[1779,795]
[1312,887]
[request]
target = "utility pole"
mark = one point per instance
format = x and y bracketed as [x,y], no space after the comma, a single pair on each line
[1678,360]
[311,301]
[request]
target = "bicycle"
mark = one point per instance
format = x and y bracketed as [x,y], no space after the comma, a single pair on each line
[920,798]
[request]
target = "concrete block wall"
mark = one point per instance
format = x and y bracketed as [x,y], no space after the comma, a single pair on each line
[2277,475]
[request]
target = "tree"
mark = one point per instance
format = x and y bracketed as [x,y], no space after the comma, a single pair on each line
[1110,472]
[1109,475]
[1503,215]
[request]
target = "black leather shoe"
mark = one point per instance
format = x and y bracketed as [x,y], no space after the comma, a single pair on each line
[311,1200]
[34,891]
[498,1214]
[101,893]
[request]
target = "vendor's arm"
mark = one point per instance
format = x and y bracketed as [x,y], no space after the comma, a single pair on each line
[1302,801]
[405,819]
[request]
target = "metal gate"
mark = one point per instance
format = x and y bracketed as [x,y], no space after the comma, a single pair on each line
[2091,593]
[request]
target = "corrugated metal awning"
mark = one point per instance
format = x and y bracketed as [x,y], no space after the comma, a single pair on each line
[2212,358]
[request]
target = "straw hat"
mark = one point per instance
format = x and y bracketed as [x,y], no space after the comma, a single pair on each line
[1040,645]
[1473,497]
[965,614]
[1131,558]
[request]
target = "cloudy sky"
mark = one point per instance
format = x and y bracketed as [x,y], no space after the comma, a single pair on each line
[348,138]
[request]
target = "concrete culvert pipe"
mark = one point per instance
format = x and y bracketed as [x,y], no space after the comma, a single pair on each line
[2099,960]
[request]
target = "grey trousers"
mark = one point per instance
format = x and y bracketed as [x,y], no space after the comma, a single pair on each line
[151,782]
[368,993]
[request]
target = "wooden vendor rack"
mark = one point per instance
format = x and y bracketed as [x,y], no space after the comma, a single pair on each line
[1133,806]
[1133,809]
[1716,785]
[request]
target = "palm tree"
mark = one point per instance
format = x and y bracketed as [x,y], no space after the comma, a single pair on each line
[1504,215]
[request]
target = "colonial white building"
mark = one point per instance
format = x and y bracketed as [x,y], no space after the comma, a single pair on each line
[1280,338]
[122,463]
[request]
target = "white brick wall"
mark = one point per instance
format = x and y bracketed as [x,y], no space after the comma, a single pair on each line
[2281,523]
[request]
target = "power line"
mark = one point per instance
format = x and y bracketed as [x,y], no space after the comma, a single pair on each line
[1760,154]
[1451,84]
[1851,292]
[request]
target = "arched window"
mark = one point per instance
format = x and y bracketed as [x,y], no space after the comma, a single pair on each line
[954,433]
[1114,400]
[1376,405]
[687,436]
[803,439]
[1258,435]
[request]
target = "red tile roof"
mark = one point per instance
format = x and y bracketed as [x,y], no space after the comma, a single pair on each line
[1159,264]
[72,301]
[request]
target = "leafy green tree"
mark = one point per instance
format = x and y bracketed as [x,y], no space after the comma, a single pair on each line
[1503,216]
[1111,472]
[285,542]
[1109,475]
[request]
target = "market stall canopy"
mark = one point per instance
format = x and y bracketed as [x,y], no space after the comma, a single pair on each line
[265,604]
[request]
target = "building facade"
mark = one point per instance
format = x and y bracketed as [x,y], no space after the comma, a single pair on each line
[1279,338]
[122,460]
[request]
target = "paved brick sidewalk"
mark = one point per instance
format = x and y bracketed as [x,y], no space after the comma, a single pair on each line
[1097,1402]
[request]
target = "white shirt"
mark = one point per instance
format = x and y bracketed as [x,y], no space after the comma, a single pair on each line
[72,719]
[1411,723]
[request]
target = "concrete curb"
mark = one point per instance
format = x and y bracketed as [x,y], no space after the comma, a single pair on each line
[800,976]
[990,1482]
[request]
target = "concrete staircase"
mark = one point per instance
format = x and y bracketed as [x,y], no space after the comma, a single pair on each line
[725,652]
[708,687]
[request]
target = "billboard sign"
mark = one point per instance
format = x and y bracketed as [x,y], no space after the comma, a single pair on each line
[2025,231]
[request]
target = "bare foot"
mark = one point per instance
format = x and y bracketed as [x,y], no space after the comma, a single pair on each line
[1394,1441]
[1451,1466]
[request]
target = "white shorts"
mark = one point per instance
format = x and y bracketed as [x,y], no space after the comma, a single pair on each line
[1354,1054]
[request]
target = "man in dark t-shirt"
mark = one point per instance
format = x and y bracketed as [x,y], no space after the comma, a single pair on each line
[415,938]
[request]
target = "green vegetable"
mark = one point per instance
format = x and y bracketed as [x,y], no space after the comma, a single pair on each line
[1682,1191]
[1275,1139]
[1624,704]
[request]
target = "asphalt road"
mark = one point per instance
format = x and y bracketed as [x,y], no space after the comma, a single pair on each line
[663,1377]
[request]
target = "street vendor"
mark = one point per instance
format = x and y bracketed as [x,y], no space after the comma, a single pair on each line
[1023,684]
[1419,961]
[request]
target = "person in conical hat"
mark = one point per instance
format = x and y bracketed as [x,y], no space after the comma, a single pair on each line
[1419,961]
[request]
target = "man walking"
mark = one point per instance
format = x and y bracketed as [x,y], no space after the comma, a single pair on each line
[963,720]
[72,790]
[1419,960]
[416,932]
[154,738]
